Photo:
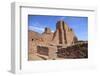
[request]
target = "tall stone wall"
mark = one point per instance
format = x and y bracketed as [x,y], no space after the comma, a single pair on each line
[63,34]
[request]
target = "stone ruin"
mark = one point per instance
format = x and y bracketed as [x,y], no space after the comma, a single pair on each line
[63,34]
[49,42]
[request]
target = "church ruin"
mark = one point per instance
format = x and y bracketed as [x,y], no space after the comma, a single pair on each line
[54,45]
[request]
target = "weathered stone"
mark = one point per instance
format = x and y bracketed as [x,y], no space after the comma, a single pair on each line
[63,34]
[43,50]
[52,54]
[79,50]
[47,30]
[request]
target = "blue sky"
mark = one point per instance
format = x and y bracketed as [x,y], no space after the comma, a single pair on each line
[78,24]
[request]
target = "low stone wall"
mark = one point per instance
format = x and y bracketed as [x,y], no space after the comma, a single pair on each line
[75,51]
[42,50]
[50,51]
[52,54]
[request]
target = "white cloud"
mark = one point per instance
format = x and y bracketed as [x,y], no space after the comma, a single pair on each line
[52,31]
[37,24]
[62,18]
[37,29]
